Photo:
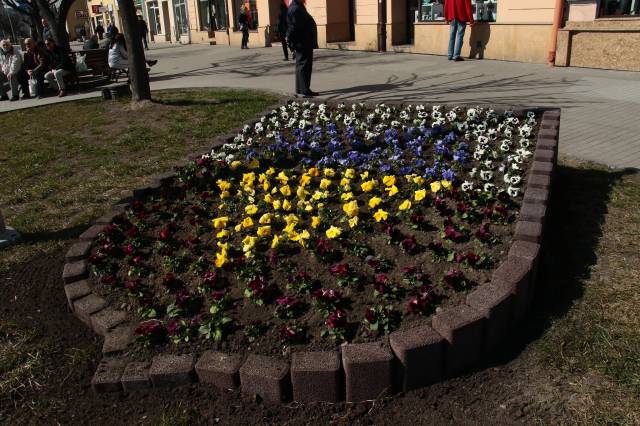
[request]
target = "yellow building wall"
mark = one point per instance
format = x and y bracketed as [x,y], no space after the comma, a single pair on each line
[73,21]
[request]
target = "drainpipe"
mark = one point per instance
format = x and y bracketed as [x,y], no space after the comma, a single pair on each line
[553,42]
[382,25]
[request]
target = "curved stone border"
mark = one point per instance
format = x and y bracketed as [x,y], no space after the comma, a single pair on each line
[457,340]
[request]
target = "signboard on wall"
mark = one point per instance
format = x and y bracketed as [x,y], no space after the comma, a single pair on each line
[97,9]
[82,14]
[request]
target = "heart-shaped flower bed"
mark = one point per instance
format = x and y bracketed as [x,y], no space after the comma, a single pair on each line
[317,226]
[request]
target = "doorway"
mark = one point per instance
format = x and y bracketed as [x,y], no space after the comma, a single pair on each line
[341,21]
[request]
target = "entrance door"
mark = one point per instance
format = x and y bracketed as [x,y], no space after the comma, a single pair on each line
[412,17]
[352,20]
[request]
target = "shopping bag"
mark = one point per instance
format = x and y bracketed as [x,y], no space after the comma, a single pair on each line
[81,66]
[33,87]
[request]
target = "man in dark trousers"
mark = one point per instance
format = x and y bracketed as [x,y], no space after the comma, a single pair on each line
[144,31]
[100,31]
[282,29]
[302,37]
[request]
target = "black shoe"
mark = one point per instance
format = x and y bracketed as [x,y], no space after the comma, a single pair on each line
[4,98]
[26,97]
[152,63]
[14,98]
[458,59]
[312,93]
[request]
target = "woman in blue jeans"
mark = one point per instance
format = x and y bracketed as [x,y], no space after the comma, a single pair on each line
[457,13]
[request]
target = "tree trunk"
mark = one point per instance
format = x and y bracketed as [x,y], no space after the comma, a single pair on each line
[58,29]
[138,74]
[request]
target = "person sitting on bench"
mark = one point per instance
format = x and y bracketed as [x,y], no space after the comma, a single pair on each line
[60,66]
[118,57]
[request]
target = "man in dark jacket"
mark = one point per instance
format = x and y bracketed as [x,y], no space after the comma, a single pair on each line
[36,64]
[100,31]
[282,29]
[144,31]
[302,36]
[243,21]
[60,66]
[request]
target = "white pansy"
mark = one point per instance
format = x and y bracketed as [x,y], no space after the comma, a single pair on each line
[488,187]
[472,114]
[486,174]
[515,180]
[488,164]
[473,172]
[513,191]
[467,186]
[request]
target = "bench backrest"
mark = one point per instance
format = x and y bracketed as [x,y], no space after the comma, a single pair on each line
[96,59]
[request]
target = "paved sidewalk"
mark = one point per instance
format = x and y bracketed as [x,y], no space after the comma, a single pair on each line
[600,109]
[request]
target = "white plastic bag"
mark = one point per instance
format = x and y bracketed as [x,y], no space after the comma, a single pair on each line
[81,66]
[33,87]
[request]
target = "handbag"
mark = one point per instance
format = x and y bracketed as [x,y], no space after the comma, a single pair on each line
[33,87]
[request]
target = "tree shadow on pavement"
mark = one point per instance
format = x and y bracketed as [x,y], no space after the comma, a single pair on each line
[577,213]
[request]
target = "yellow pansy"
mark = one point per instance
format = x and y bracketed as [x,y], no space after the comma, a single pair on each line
[223,246]
[282,178]
[315,221]
[301,238]
[305,180]
[248,243]
[254,164]
[364,175]
[389,180]
[317,195]
[350,173]
[405,205]
[368,186]
[277,204]
[420,195]
[289,228]
[345,182]
[265,219]
[418,180]
[275,241]
[221,259]
[333,232]
[446,184]
[266,185]
[251,209]
[263,231]
[268,198]
[313,172]
[325,183]
[271,171]
[380,215]
[329,172]
[220,222]
[238,227]
[285,190]
[392,190]
[346,196]
[351,208]
[291,218]
[247,222]
[308,206]
[223,184]
[353,222]
[225,194]
[436,186]
[248,178]
[301,192]
[373,202]
[235,164]
[286,205]
[223,234]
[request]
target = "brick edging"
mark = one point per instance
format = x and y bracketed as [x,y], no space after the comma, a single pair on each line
[458,338]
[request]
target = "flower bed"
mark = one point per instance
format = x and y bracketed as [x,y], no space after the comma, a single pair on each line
[318,226]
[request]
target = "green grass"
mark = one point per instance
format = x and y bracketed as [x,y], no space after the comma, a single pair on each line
[63,165]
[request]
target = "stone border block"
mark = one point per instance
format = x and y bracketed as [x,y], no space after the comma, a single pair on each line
[136,377]
[78,251]
[118,339]
[86,306]
[544,154]
[515,274]
[316,376]
[267,377]
[75,271]
[548,144]
[536,196]
[528,231]
[219,369]
[420,352]
[76,290]
[368,370]
[530,212]
[106,320]
[91,233]
[548,132]
[107,376]
[494,302]
[463,328]
[539,181]
[172,370]
[544,168]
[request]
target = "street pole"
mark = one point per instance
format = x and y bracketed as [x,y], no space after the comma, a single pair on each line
[7,235]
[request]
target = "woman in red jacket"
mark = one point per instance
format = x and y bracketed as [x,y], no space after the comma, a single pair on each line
[457,13]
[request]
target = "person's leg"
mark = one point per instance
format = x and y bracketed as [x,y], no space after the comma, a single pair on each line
[300,62]
[59,74]
[14,85]
[3,94]
[460,39]
[49,76]
[23,81]
[453,26]
[285,48]
[308,70]
[40,84]
[146,44]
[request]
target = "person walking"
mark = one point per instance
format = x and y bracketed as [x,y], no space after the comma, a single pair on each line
[100,31]
[302,36]
[457,13]
[282,29]
[144,31]
[243,21]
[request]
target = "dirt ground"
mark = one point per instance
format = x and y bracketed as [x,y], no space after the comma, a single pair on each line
[547,374]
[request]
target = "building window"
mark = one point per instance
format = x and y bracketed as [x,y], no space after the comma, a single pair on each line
[253,12]
[180,17]
[433,10]
[620,8]
[154,18]
[219,14]
[204,12]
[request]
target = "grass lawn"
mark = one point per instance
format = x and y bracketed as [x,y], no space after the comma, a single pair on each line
[577,360]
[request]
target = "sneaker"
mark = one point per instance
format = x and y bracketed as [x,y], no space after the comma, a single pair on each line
[458,59]
[152,63]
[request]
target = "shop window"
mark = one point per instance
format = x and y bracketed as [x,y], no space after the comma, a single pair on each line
[253,13]
[219,14]
[154,18]
[619,8]
[433,10]
[180,15]
[204,13]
